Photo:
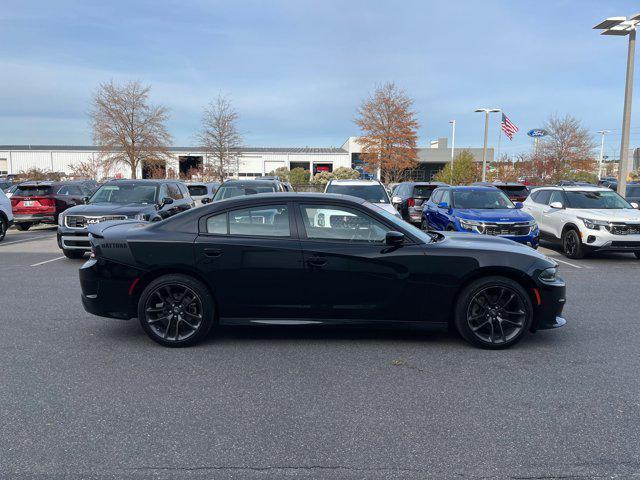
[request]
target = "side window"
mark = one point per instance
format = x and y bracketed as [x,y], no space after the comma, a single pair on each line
[542,197]
[164,192]
[556,196]
[217,224]
[446,197]
[183,190]
[435,197]
[328,222]
[264,221]
[174,191]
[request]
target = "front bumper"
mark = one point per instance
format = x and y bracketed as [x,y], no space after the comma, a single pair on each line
[73,239]
[602,240]
[547,312]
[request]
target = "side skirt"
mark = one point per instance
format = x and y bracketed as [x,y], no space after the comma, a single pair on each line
[305,321]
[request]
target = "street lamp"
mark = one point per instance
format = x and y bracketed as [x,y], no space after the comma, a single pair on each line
[603,133]
[453,146]
[486,111]
[621,26]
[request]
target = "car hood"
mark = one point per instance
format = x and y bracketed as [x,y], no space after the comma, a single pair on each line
[609,215]
[494,215]
[96,209]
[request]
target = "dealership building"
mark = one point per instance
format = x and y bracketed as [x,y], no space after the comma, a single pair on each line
[253,162]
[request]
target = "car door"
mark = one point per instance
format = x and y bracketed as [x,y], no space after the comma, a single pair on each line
[251,256]
[442,213]
[554,218]
[349,271]
[431,209]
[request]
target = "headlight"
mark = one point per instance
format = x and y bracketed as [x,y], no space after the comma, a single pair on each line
[61,219]
[470,225]
[548,275]
[594,224]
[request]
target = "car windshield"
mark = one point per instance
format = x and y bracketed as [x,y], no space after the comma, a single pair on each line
[197,190]
[32,190]
[231,191]
[481,199]
[415,231]
[375,193]
[125,193]
[608,200]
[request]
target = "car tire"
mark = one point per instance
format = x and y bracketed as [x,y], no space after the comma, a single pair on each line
[75,254]
[572,244]
[451,228]
[637,253]
[23,227]
[493,312]
[3,228]
[167,319]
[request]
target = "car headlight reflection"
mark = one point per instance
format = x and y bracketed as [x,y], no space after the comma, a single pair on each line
[548,275]
[594,224]
[471,225]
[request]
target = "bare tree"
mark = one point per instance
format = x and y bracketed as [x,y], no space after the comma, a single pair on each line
[390,132]
[127,128]
[93,167]
[219,138]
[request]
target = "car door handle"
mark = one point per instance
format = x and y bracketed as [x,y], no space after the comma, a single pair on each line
[317,261]
[212,252]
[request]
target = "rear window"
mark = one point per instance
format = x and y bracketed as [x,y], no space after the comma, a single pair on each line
[423,191]
[33,191]
[197,190]
[514,190]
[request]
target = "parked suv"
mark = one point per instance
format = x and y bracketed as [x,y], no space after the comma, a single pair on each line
[409,198]
[239,188]
[584,219]
[43,202]
[148,200]
[485,210]
[6,215]
[370,190]
[202,192]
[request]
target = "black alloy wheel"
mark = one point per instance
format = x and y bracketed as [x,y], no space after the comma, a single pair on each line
[176,310]
[3,228]
[572,245]
[494,313]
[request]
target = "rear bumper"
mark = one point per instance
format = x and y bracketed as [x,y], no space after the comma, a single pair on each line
[106,289]
[34,218]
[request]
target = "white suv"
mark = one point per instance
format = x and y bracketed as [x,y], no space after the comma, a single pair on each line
[370,190]
[6,215]
[584,219]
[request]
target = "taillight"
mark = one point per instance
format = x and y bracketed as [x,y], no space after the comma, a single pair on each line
[411,202]
[47,202]
[14,202]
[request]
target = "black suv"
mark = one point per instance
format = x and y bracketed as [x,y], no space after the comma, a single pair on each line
[408,198]
[147,200]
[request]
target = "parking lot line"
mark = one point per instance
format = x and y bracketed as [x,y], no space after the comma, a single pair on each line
[30,239]
[47,261]
[567,263]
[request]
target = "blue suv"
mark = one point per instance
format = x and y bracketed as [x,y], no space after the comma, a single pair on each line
[484,210]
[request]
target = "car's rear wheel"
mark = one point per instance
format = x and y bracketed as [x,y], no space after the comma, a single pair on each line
[73,253]
[493,312]
[571,244]
[176,310]
[3,228]
[23,226]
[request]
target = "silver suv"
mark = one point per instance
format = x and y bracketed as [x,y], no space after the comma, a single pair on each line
[6,215]
[584,219]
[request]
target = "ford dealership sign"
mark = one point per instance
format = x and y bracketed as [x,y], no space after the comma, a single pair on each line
[537,132]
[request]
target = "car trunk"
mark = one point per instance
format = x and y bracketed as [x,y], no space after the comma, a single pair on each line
[421,194]
[29,200]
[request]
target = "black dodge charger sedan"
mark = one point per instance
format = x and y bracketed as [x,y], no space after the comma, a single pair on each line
[298,259]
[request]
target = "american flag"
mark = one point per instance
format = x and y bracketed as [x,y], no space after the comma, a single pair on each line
[507,127]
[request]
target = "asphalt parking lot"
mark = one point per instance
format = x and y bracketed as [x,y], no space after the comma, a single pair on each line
[87,397]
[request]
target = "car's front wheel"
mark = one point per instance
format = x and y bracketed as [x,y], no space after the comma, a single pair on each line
[73,253]
[493,312]
[176,310]
[23,226]
[572,245]
[3,228]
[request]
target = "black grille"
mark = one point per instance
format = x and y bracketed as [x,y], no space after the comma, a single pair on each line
[80,221]
[625,244]
[624,229]
[513,229]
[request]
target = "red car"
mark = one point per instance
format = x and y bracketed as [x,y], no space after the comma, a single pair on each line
[42,202]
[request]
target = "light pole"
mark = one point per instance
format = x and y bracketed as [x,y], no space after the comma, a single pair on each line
[603,133]
[620,26]
[486,111]
[453,146]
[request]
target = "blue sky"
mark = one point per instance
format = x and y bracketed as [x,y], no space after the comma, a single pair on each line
[297,70]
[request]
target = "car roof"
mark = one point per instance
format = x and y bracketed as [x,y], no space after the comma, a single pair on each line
[437,184]
[150,181]
[289,196]
[576,188]
[249,182]
[471,187]
[355,182]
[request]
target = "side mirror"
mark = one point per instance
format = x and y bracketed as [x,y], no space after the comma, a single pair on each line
[85,200]
[166,201]
[557,205]
[443,205]
[634,205]
[205,200]
[396,200]
[519,205]
[394,238]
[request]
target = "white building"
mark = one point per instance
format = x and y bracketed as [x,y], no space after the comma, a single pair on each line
[253,162]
